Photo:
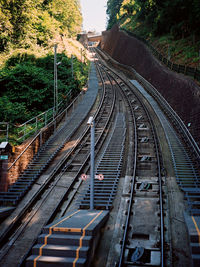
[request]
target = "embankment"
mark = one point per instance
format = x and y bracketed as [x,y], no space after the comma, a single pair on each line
[181,92]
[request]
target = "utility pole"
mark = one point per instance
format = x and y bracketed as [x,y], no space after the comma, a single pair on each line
[81,60]
[72,65]
[55,103]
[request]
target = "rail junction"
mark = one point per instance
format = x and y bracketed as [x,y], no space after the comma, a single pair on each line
[146,202]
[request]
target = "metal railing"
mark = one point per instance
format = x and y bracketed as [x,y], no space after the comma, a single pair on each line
[40,138]
[4,128]
[30,127]
[186,70]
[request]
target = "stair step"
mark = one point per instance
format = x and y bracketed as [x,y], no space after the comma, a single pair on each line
[46,261]
[64,239]
[60,251]
[195,248]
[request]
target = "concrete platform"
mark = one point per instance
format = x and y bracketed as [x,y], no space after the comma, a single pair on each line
[69,241]
[193,227]
[78,222]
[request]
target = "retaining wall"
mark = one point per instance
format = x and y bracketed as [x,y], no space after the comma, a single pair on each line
[182,93]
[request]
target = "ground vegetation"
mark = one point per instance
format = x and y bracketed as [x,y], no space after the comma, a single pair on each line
[171,26]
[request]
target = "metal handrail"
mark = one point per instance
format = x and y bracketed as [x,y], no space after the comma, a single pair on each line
[43,129]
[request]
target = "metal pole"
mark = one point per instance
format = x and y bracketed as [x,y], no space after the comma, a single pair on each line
[81,60]
[92,167]
[72,66]
[7,132]
[55,80]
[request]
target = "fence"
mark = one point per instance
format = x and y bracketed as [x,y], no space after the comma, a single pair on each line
[31,149]
[186,70]
[4,128]
[30,127]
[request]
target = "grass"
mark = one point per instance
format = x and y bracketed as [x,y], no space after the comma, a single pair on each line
[181,51]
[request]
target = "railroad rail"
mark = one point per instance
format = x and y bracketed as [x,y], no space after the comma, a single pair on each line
[142,123]
[185,156]
[108,178]
[54,195]
[109,166]
[34,204]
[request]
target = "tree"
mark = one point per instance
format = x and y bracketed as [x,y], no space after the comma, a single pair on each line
[27,22]
[113,8]
[178,17]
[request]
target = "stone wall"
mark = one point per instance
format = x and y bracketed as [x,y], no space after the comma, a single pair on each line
[182,93]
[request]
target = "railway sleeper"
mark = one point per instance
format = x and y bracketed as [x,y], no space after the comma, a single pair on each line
[96,201]
[109,197]
[185,185]
[101,193]
[17,187]
[8,202]
[100,188]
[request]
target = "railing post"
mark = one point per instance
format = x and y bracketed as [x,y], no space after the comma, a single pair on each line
[24,131]
[66,114]
[36,126]
[92,155]
[7,132]
[40,138]
[45,118]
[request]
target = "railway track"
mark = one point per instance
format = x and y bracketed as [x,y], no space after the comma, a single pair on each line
[129,146]
[57,191]
[185,157]
[145,187]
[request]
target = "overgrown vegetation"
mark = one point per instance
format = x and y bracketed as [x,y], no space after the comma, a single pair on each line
[26,23]
[28,31]
[172,26]
[27,84]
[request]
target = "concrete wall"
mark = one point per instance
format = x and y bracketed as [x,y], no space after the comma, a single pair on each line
[182,93]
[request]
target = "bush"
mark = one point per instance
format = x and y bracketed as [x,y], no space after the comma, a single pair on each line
[12,111]
[27,85]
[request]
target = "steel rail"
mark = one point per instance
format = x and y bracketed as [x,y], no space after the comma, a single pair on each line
[177,121]
[32,201]
[87,158]
[41,131]
[96,143]
[164,105]
[125,235]
[156,144]
[103,133]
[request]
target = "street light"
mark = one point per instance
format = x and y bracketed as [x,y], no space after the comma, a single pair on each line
[72,65]
[91,124]
[56,64]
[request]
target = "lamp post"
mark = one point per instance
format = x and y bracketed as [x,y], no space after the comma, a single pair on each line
[72,65]
[55,80]
[56,64]
[81,60]
[92,126]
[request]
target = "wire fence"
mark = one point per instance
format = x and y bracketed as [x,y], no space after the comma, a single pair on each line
[186,70]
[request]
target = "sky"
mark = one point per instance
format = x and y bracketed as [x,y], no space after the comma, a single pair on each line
[94,14]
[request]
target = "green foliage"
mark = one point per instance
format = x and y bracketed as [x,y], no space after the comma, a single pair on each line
[27,85]
[178,17]
[11,111]
[24,23]
[113,8]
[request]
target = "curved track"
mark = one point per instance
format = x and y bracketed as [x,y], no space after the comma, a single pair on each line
[129,146]
[50,195]
[146,155]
